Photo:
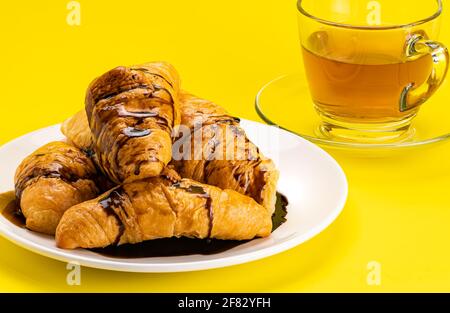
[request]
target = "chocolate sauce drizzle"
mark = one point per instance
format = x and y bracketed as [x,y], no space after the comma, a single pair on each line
[161,88]
[53,169]
[113,205]
[245,172]
[142,69]
[127,133]
[113,108]
[186,246]
[279,215]
[198,190]
[212,153]
[152,248]
[89,152]
[137,167]
[117,92]
[133,132]
[122,112]
[216,119]
[11,209]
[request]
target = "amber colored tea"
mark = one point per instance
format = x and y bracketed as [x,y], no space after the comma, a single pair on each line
[367,91]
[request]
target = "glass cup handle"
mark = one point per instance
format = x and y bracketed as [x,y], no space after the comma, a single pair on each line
[412,95]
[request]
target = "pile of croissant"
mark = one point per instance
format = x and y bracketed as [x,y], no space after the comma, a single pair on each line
[116,180]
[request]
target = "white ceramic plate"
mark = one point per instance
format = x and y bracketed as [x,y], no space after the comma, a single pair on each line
[313,182]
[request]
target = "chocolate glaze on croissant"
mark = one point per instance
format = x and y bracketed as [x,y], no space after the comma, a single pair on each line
[227,158]
[162,207]
[51,180]
[255,176]
[131,112]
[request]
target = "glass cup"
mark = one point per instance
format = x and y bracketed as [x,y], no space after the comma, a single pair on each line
[370,65]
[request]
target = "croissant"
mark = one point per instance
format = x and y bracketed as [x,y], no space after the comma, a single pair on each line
[255,176]
[131,113]
[162,207]
[77,131]
[219,153]
[51,180]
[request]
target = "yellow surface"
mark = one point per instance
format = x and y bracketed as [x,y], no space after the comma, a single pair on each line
[398,211]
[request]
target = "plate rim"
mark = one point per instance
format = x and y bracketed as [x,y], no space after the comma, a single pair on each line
[197,265]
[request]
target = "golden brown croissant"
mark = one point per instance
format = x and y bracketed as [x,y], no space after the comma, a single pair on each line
[51,180]
[226,158]
[162,207]
[77,131]
[131,112]
[255,176]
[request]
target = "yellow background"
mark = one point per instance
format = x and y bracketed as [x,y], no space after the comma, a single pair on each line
[398,211]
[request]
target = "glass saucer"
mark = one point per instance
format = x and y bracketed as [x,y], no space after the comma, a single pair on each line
[286,102]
